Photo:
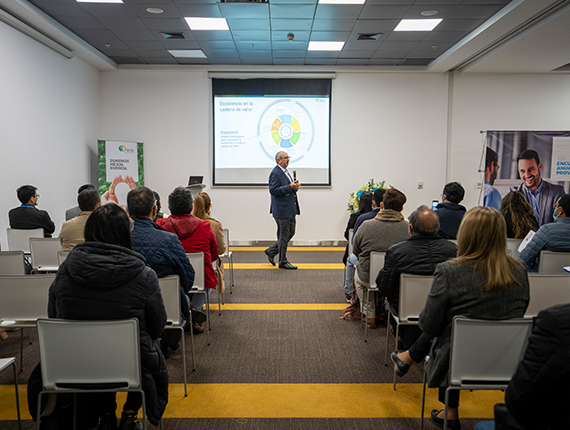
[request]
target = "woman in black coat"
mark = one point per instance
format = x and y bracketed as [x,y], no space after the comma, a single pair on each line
[103,279]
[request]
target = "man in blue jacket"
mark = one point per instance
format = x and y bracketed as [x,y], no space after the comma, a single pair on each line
[554,236]
[284,207]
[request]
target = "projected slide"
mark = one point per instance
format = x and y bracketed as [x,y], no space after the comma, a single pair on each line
[249,131]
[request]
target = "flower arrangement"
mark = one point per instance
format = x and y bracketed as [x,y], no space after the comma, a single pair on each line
[354,198]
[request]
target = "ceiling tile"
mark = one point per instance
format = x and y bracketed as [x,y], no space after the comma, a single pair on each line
[60,8]
[446,36]
[291,24]
[135,35]
[252,35]
[180,44]
[292,11]
[123,23]
[423,54]
[295,2]
[290,46]
[320,61]
[363,45]
[292,61]
[416,62]
[126,60]
[131,2]
[213,35]
[258,45]
[162,53]
[329,36]
[179,2]
[383,12]
[390,54]
[165,24]
[333,24]
[431,3]
[222,53]
[214,44]
[98,38]
[338,11]
[244,10]
[144,44]
[200,10]
[459,24]
[81,22]
[229,60]
[288,54]
[193,60]
[503,2]
[160,60]
[398,46]
[375,26]
[356,54]
[248,24]
[352,61]
[444,10]
[384,61]
[407,36]
[441,47]
[476,11]
[323,54]
[108,10]
[170,10]
[300,36]
[124,53]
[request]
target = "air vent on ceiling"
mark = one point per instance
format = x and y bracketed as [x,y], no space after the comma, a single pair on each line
[173,36]
[368,36]
[244,1]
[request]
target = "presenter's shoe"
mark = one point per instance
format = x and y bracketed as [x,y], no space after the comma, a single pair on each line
[270,258]
[400,366]
[288,266]
[451,424]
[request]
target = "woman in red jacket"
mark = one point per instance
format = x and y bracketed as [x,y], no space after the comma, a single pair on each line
[196,235]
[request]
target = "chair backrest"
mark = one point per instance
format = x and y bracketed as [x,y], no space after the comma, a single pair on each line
[98,354]
[513,247]
[486,353]
[24,297]
[18,240]
[414,290]
[12,263]
[61,256]
[44,252]
[376,264]
[197,262]
[170,290]
[547,290]
[553,262]
[227,240]
[350,234]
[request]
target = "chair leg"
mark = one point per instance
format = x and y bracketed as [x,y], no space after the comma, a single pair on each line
[367,316]
[446,403]
[17,395]
[231,272]
[184,360]
[395,349]
[144,419]
[208,314]
[423,401]
[192,343]
[39,411]
[219,299]
[387,336]
[22,350]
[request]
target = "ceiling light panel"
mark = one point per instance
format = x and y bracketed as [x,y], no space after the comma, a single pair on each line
[199,24]
[342,1]
[417,24]
[187,53]
[325,46]
[99,1]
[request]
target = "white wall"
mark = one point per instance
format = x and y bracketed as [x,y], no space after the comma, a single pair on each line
[501,102]
[48,120]
[384,126]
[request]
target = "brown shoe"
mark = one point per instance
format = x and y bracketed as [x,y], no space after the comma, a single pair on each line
[371,322]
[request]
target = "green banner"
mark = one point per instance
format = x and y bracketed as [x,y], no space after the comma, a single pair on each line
[121,168]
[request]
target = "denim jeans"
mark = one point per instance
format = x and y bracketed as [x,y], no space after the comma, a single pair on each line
[351,264]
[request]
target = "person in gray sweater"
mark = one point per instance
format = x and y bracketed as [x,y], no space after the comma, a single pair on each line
[378,234]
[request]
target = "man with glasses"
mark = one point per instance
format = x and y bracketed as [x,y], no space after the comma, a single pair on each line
[541,195]
[284,207]
[27,216]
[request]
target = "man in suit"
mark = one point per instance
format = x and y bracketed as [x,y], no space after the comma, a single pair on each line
[284,207]
[27,216]
[541,195]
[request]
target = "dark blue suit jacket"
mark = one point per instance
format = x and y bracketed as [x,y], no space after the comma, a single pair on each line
[284,202]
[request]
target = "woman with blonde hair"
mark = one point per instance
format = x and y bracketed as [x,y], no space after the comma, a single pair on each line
[201,209]
[518,214]
[482,282]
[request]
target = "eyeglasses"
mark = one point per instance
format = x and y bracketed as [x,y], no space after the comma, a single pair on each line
[285,158]
[37,196]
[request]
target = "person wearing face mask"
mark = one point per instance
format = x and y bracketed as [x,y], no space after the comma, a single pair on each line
[550,237]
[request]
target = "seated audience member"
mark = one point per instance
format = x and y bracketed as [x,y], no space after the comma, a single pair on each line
[196,235]
[482,282]
[72,230]
[159,215]
[73,212]
[104,279]
[376,201]
[554,236]
[417,255]
[450,212]
[202,209]
[541,380]
[27,216]
[163,253]
[364,206]
[378,234]
[518,214]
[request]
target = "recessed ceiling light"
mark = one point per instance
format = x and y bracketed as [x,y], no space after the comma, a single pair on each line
[429,12]
[187,53]
[154,10]
[207,23]
[326,46]
[99,1]
[417,24]
[342,1]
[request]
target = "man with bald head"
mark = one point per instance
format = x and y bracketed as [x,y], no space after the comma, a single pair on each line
[284,207]
[417,255]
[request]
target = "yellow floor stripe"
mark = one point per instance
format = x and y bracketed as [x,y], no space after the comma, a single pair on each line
[280,306]
[302,266]
[290,248]
[294,401]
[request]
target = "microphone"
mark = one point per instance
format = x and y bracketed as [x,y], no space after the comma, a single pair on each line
[294,175]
